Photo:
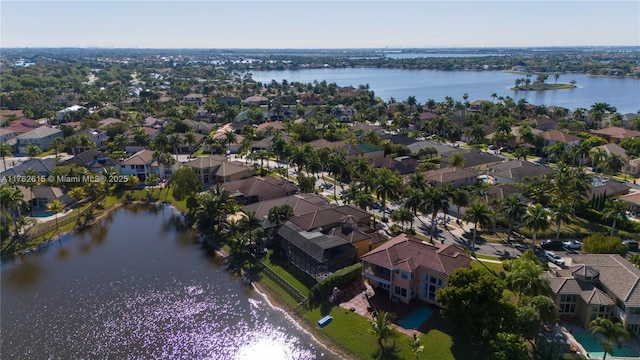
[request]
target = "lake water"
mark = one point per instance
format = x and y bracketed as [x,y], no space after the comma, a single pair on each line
[135,287]
[623,93]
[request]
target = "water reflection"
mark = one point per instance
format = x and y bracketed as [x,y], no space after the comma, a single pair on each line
[140,294]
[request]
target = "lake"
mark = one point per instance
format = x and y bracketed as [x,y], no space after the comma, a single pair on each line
[623,93]
[134,286]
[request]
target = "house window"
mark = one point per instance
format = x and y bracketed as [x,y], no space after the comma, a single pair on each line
[432,284]
[405,275]
[568,303]
[383,286]
[400,291]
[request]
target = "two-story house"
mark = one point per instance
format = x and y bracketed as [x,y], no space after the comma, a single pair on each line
[143,163]
[409,268]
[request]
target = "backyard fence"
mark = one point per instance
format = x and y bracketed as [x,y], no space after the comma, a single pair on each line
[290,289]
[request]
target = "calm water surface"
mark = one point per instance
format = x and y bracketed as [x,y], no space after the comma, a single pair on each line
[135,287]
[623,93]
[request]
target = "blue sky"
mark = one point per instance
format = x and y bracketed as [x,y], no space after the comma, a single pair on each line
[318,24]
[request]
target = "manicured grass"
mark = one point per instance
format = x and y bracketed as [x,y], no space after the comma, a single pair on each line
[267,259]
[494,268]
[537,87]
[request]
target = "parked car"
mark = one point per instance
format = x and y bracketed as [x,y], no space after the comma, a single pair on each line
[493,147]
[552,245]
[631,244]
[554,258]
[572,244]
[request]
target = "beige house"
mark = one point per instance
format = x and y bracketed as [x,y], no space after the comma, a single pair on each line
[597,285]
[409,268]
[217,169]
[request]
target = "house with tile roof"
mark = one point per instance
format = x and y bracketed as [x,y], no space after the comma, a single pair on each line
[409,268]
[615,133]
[597,285]
[474,159]
[455,176]
[217,169]
[258,188]
[300,203]
[41,195]
[632,200]
[42,166]
[556,136]
[326,240]
[368,151]
[143,163]
[41,137]
[96,161]
[517,170]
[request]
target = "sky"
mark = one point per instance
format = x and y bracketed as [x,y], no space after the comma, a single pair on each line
[318,24]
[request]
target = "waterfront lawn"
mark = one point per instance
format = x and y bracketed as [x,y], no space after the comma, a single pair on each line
[281,268]
[352,332]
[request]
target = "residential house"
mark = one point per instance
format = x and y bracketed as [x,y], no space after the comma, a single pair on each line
[41,137]
[605,187]
[143,163]
[365,128]
[217,169]
[409,268]
[97,137]
[152,122]
[270,127]
[516,171]
[312,99]
[96,161]
[632,200]
[63,115]
[322,143]
[257,188]
[615,133]
[42,195]
[203,114]
[300,203]
[628,119]
[266,142]
[345,113]
[440,148]
[500,191]
[597,285]
[42,166]
[474,159]
[256,100]
[326,240]
[108,121]
[403,164]
[543,123]
[368,151]
[556,136]
[454,176]
[17,127]
[193,99]
[633,167]
[199,127]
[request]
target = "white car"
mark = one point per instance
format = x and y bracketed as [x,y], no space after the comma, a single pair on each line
[572,244]
[554,258]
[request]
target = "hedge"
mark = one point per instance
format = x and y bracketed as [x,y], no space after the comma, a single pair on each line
[340,279]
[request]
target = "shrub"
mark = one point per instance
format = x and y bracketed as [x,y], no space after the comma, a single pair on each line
[340,279]
[603,244]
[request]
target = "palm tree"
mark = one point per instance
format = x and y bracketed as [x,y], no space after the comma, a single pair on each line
[456,160]
[251,225]
[230,138]
[460,198]
[513,207]
[190,139]
[279,214]
[381,328]
[434,200]
[338,166]
[175,141]
[416,347]
[55,206]
[120,141]
[614,209]
[613,164]
[403,215]
[479,214]
[418,181]
[77,194]
[561,211]
[524,278]
[536,219]
[387,187]
[5,151]
[613,334]
[33,150]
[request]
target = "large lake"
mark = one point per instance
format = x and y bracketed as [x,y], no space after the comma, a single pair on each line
[135,287]
[623,93]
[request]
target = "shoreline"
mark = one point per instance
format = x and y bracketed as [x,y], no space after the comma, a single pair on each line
[319,337]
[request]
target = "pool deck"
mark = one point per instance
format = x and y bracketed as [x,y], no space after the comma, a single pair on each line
[379,300]
[565,331]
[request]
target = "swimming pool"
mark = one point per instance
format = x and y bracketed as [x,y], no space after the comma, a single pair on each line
[415,317]
[42,214]
[594,348]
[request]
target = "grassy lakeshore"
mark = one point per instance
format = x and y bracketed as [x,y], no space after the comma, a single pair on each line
[542,87]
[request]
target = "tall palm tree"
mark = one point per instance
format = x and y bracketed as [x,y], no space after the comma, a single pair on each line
[55,206]
[175,141]
[561,211]
[230,137]
[387,187]
[460,198]
[32,150]
[614,209]
[251,225]
[613,334]
[524,278]
[613,164]
[381,328]
[190,139]
[536,219]
[5,152]
[434,200]
[77,194]
[403,215]
[479,214]
[418,181]
[338,166]
[513,207]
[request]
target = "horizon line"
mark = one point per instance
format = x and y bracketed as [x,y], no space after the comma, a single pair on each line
[324,48]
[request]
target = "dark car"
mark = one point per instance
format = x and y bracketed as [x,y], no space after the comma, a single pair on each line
[552,245]
[631,244]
